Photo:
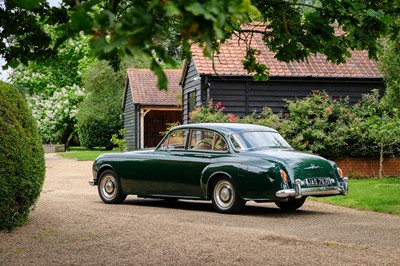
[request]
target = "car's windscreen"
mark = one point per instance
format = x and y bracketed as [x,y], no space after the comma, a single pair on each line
[258,140]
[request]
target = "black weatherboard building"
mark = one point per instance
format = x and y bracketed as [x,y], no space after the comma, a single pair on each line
[225,80]
[147,109]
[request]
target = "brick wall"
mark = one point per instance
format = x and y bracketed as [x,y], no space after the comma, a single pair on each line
[391,166]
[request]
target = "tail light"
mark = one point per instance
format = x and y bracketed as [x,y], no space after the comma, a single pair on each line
[284,176]
[340,171]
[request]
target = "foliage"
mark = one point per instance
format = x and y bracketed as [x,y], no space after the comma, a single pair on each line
[118,140]
[375,126]
[318,124]
[265,118]
[22,162]
[100,112]
[55,113]
[334,129]
[295,29]
[54,88]
[378,128]
[379,195]
[169,127]
[211,113]
[63,69]
[389,66]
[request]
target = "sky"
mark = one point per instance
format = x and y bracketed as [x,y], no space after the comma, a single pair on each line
[4,73]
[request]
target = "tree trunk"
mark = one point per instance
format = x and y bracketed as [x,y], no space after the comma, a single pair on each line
[381,162]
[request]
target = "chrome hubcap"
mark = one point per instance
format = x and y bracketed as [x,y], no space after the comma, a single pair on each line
[224,195]
[110,186]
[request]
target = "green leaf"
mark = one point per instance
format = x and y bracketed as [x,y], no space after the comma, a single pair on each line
[172,10]
[28,4]
[196,8]
[162,82]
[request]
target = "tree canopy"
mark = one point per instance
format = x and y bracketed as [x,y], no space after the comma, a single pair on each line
[294,29]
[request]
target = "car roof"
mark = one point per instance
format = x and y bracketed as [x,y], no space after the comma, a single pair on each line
[226,128]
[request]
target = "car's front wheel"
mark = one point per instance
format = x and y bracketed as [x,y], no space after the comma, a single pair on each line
[110,189]
[225,198]
[291,204]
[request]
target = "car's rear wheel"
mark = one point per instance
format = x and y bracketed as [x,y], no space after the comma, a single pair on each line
[291,204]
[110,189]
[224,197]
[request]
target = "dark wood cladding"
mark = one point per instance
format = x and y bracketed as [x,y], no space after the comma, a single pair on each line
[130,120]
[243,96]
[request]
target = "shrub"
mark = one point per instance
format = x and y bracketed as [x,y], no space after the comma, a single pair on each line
[265,118]
[318,124]
[99,115]
[21,159]
[56,113]
[374,126]
[211,113]
[118,139]
[169,127]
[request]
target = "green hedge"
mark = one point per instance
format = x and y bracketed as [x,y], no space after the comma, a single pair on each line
[22,166]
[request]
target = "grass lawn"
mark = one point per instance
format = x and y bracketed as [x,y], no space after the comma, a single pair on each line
[83,154]
[379,195]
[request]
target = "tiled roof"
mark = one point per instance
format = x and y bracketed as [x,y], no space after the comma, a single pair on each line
[143,85]
[228,62]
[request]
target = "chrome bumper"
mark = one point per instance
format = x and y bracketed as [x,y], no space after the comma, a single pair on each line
[93,182]
[298,192]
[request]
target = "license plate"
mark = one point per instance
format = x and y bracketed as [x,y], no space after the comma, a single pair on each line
[320,181]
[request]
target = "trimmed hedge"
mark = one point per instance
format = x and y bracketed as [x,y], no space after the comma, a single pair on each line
[22,165]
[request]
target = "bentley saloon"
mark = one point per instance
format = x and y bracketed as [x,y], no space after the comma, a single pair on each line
[227,163]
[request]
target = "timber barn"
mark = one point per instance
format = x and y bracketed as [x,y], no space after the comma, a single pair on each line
[147,110]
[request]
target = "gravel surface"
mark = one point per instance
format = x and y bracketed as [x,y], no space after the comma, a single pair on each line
[71,226]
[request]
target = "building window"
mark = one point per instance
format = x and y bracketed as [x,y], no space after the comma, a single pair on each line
[191,101]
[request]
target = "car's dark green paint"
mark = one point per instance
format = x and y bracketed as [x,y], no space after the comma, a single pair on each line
[191,173]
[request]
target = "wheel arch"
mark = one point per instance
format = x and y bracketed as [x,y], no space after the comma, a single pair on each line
[102,169]
[215,176]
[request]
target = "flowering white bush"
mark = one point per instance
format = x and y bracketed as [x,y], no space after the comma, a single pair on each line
[53,113]
[54,87]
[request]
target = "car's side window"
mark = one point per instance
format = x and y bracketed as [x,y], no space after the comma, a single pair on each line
[207,140]
[219,143]
[175,140]
[236,144]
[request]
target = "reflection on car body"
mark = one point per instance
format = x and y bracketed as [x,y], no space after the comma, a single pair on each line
[226,163]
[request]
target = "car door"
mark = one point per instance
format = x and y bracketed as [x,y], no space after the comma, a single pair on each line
[203,148]
[158,174]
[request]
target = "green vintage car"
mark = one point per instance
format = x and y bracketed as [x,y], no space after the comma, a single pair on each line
[227,163]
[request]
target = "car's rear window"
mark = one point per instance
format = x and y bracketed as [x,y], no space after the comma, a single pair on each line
[258,140]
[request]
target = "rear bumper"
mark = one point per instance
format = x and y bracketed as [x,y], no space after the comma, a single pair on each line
[298,191]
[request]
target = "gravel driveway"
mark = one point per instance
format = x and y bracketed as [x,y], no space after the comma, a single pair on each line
[71,226]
